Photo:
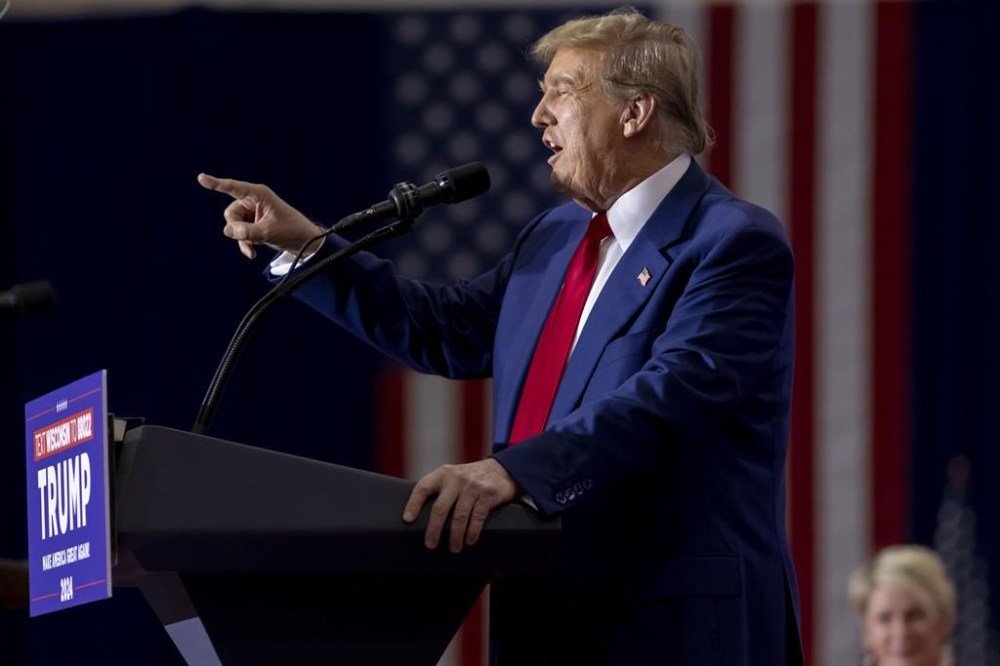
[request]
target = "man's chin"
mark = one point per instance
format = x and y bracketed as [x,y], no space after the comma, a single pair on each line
[559,184]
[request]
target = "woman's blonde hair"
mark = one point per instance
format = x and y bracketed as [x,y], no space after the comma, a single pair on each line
[918,570]
[641,56]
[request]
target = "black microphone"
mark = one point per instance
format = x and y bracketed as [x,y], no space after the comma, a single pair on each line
[407,201]
[28,297]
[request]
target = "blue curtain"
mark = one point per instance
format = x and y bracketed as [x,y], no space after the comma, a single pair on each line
[104,125]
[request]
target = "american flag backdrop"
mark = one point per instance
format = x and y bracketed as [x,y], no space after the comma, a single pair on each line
[810,105]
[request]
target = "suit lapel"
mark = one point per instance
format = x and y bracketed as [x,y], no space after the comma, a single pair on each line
[624,294]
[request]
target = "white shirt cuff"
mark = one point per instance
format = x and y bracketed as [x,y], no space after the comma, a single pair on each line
[281,264]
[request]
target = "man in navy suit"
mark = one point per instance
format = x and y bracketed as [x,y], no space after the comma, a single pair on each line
[640,343]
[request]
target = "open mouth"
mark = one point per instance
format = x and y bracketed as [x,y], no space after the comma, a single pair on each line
[553,146]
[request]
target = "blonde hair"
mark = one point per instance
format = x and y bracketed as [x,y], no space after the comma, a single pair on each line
[917,569]
[641,56]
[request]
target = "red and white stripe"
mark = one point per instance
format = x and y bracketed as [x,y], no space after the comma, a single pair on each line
[424,422]
[842,294]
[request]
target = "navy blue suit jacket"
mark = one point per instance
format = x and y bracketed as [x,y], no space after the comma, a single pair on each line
[665,450]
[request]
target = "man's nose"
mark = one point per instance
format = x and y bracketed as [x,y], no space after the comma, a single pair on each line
[541,117]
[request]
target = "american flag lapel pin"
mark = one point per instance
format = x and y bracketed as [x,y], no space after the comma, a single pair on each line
[644,276]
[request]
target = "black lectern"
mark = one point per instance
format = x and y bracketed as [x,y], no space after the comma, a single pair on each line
[250,556]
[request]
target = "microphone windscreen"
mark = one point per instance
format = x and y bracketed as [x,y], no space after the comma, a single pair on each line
[464,182]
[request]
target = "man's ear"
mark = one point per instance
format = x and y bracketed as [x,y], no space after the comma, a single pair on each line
[637,115]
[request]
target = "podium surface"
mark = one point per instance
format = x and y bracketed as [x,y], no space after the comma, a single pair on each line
[290,560]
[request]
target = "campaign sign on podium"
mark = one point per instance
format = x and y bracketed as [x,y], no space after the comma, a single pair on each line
[69,527]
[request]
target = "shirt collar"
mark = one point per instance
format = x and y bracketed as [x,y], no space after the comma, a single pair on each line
[630,212]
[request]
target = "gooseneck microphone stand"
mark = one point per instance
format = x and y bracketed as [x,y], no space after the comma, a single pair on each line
[408,207]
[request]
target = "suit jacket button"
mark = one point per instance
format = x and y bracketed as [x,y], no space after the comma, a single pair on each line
[560,498]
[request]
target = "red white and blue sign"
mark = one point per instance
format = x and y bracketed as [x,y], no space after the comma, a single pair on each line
[69,528]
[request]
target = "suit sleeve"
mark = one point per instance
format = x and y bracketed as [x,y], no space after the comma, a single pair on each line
[446,330]
[719,342]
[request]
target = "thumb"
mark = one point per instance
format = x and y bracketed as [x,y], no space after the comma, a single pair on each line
[248,250]
[244,231]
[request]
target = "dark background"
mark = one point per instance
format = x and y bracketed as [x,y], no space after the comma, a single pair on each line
[105,125]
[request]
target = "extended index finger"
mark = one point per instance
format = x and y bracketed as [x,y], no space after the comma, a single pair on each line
[237,189]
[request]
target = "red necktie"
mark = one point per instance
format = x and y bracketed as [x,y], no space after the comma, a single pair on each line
[554,344]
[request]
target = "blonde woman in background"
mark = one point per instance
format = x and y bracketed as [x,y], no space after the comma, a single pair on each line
[906,602]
